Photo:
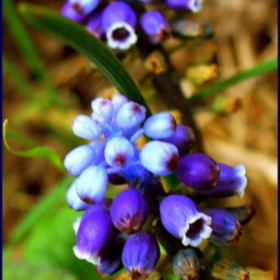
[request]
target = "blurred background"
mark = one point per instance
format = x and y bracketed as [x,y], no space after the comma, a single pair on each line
[239,127]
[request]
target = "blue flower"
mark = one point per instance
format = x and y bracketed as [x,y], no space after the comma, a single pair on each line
[118,23]
[95,231]
[183,138]
[226,228]
[232,181]
[84,7]
[70,12]
[164,157]
[92,184]
[193,5]
[111,257]
[198,171]
[160,126]
[129,211]
[140,254]
[181,217]
[155,26]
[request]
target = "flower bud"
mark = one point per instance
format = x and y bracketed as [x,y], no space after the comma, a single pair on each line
[130,115]
[85,127]
[95,231]
[103,108]
[118,22]
[193,5]
[160,126]
[73,199]
[198,171]
[92,184]
[111,258]
[84,7]
[94,25]
[118,101]
[155,26]
[226,230]
[181,218]
[140,254]
[69,12]
[129,211]
[186,264]
[232,181]
[119,152]
[159,158]
[183,138]
[79,159]
[243,214]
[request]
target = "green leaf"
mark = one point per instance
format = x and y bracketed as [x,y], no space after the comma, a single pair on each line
[38,151]
[87,44]
[20,269]
[52,240]
[217,88]
[50,202]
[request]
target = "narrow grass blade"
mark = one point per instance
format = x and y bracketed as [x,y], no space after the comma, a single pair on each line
[217,88]
[84,42]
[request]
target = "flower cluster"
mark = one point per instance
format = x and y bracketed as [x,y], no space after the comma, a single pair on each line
[119,23]
[115,233]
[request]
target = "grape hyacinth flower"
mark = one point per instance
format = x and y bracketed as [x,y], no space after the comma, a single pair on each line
[140,254]
[112,154]
[226,228]
[118,22]
[181,217]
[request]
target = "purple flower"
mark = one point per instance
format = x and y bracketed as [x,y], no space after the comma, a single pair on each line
[232,181]
[155,26]
[181,217]
[70,12]
[159,158]
[160,126]
[226,230]
[95,231]
[92,184]
[140,254]
[73,199]
[79,159]
[198,171]
[193,5]
[118,22]
[119,152]
[129,211]
[84,7]
[94,25]
[130,115]
[111,257]
[85,127]
[183,138]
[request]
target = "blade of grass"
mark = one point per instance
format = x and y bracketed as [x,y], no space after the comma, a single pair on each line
[28,50]
[50,201]
[20,83]
[217,88]
[84,42]
[38,151]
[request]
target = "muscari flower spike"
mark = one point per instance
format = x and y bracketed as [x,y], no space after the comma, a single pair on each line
[193,5]
[111,154]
